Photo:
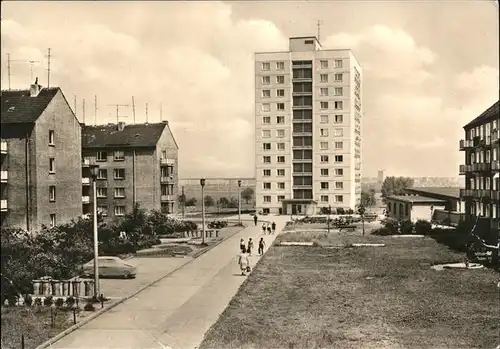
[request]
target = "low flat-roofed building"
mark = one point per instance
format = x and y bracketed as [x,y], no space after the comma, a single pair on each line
[413,207]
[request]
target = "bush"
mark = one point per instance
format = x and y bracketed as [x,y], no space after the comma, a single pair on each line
[70,302]
[89,307]
[37,302]
[28,300]
[59,302]
[392,225]
[406,226]
[217,224]
[423,227]
[382,232]
[48,301]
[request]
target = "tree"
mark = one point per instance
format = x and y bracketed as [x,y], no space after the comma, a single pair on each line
[233,203]
[223,202]
[396,185]
[209,201]
[361,212]
[247,194]
[368,198]
[191,202]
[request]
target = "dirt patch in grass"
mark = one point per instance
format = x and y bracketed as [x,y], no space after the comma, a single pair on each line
[35,325]
[388,297]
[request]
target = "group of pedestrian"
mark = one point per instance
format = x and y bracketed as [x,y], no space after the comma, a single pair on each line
[269,228]
[246,251]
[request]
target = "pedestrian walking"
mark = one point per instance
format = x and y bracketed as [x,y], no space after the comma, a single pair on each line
[268,228]
[250,246]
[243,262]
[264,228]
[242,245]
[262,245]
[273,226]
[255,219]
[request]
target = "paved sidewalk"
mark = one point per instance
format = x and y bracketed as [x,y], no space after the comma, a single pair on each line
[177,311]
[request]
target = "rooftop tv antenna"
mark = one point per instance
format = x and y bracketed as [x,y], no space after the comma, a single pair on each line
[117,106]
[31,68]
[83,109]
[319,23]
[146,112]
[9,62]
[95,109]
[48,67]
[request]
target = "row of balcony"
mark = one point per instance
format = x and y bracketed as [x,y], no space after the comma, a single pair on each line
[86,180]
[480,167]
[479,142]
[480,194]
[4,176]
[3,147]
[3,205]
[86,162]
[86,198]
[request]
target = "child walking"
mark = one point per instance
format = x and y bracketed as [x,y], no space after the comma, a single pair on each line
[243,262]
[250,246]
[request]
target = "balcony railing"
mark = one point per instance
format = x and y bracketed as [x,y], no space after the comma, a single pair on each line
[3,205]
[85,199]
[167,161]
[495,165]
[85,162]
[3,147]
[495,195]
[166,179]
[479,193]
[167,198]
[495,136]
[85,180]
[481,167]
[4,176]
[302,133]
[301,161]
[302,173]
[466,143]
[302,186]
[302,147]
[463,169]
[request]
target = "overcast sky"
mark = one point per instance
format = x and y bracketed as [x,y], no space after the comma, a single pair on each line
[429,68]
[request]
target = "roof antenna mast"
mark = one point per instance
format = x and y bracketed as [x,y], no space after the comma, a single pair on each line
[319,23]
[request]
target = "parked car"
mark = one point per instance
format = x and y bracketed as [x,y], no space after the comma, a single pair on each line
[110,267]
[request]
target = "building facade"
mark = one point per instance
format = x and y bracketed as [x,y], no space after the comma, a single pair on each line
[40,159]
[136,164]
[481,168]
[308,114]
[413,207]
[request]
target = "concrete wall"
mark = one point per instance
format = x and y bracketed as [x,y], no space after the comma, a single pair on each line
[423,211]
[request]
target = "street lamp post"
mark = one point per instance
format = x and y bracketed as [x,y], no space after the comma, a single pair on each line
[328,217]
[94,169]
[239,201]
[202,183]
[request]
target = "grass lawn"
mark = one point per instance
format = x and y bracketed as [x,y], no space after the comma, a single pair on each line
[382,297]
[34,325]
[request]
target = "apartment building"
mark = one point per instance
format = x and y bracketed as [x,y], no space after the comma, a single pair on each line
[308,114]
[40,159]
[482,169]
[134,164]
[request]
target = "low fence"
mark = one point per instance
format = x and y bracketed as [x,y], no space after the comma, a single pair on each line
[74,287]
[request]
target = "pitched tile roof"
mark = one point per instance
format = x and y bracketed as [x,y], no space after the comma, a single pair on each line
[488,115]
[415,199]
[137,135]
[18,107]
[452,192]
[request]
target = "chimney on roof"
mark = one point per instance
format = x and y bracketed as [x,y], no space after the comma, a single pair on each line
[121,126]
[35,89]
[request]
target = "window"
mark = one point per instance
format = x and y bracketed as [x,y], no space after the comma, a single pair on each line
[266,146]
[52,220]
[163,154]
[267,198]
[323,132]
[119,173]
[339,91]
[119,155]
[280,65]
[339,105]
[280,133]
[102,156]
[102,192]
[324,119]
[339,145]
[266,93]
[266,107]
[338,132]
[52,165]
[280,79]
[119,210]
[266,66]
[281,185]
[51,137]
[266,120]
[280,146]
[323,105]
[266,185]
[339,198]
[339,172]
[280,198]
[266,173]
[324,159]
[280,172]
[52,193]
[266,159]
[266,133]
[323,145]
[338,77]
[324,185]
[323,91]
[339,119]
[324,198]
[339,158]
[280,93]
[119,192]
[102,174]
[266,80]
[281,159]
[103,210]
[280,106]
[339,185]
[323,77]
[338,63]
[323,64]
[324,172]
[280,119]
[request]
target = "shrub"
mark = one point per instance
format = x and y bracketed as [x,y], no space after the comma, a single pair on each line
[28,300]
[423,227]
[392,225]
[59,302]
[383,231]
[340,210]
[48,301]
[37,302]
[217,224]
[406,226]
[89,307]
[70,301]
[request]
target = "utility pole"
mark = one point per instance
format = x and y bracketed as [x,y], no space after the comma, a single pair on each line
[328,217]
[95,109]
[133,107]
[117,106]
[183,203]
[31,68]
[48,67]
